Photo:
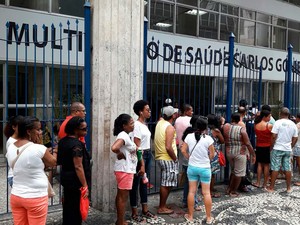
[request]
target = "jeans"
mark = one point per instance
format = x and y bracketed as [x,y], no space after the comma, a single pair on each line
[186,188]
[138,182]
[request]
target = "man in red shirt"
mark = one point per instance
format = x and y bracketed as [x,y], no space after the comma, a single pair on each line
[77,109]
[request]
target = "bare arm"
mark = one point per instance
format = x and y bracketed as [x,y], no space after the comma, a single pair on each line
[211,150]
[80,172]
[184,150]
[248,144]
[116,148]
[294,141]
[219,136]
[273,139]
[49,159]
[170,131]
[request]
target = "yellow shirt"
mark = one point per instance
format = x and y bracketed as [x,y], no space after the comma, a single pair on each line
[160,141]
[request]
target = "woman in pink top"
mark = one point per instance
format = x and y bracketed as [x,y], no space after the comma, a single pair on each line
[263,146]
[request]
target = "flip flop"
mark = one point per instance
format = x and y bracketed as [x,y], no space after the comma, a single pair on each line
[186,217]
[149,215]
[256,185]
[297,183]
[210,221]
[198,208]
[216,195]
[268,190]
[165,212]
[233,195]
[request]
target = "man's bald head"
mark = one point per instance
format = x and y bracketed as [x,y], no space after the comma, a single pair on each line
[284,112]
[78,109]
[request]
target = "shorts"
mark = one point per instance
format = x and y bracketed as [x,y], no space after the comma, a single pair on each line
[198,174]
[238,164]
[263,154]
[296,151]
[281,159]
[124,180]
[169,170]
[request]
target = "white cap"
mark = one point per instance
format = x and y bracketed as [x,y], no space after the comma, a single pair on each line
[168,111]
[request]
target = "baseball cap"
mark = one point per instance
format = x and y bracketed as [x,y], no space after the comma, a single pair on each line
[168,101]
[168,111]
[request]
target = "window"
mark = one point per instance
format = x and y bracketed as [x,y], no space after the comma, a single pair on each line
[63,90]
[188,2]
[2,2]
[294,25]
[263,35]
[29,88]
[161,16]
[42,5]
[247,14]
[279,38]
[247,32]
[255,89]
[208,25]
[228,24]
[231,10]
[68,7]
[186,21]
[263,17]
[274,93]
[209,5]
[294,40]
[278,21]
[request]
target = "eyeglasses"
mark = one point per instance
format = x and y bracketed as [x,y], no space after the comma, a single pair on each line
[83,129]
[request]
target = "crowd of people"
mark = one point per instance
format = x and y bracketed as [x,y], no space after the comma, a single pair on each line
[28,160]
[256,138]
[248,138]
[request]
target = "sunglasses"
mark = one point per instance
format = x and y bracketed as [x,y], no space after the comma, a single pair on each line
[83,129]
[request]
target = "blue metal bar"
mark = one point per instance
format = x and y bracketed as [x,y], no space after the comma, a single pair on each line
[45,105]
[34,78]
[77,50]
[259,88]
[26,73]
[68,68]
[60,75]
[87,68]
[287,102]
[17,70]
[6,108]
[229,77]
[145,58]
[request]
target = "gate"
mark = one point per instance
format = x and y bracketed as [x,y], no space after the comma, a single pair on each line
[201,80]
[43,71]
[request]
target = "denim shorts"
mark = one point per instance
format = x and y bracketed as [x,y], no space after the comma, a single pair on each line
[281,158]
[296,151]
[202,175]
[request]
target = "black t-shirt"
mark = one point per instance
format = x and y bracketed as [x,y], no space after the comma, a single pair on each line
[68,148]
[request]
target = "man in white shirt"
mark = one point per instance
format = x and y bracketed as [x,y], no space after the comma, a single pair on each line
[284,138]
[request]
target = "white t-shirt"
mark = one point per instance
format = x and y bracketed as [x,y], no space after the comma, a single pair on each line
[199,157]
[298,141]
[10,141]
[30,180]
[129,164]
[142,132]
[285,130]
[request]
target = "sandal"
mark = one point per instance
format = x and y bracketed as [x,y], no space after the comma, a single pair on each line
[137,219]
[165,211]
[216,195]
[149,215]
[210,221]
[256,185]
[198,208]
[186,217]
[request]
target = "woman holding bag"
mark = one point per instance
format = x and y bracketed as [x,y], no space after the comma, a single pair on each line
[75,169]
[28,158]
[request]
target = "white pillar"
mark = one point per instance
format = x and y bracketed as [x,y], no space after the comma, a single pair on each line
[117,80]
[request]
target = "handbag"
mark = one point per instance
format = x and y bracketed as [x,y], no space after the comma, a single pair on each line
[84,203]
[222,160]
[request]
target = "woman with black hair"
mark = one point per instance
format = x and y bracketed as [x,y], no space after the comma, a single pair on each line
[28,158]
[75,169]
[125,165]
[11,133]
[198,148]
[263,133]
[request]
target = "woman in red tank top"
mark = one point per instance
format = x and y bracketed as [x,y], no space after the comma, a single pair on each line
[263,146]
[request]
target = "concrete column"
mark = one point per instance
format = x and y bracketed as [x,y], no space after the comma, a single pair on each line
[117,79]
